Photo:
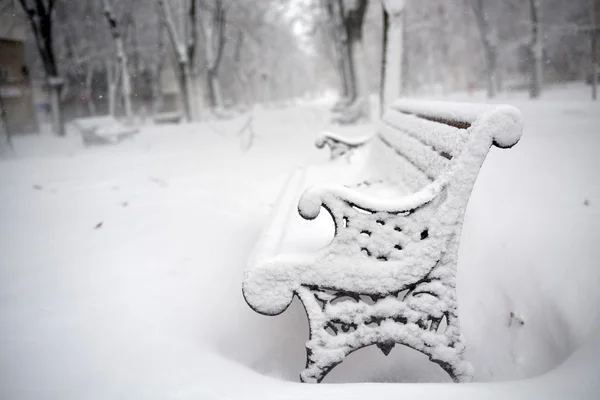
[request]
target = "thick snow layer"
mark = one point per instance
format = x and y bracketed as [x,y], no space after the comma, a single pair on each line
[121,266]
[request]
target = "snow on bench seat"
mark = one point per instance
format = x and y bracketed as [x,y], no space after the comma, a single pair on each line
[379,266]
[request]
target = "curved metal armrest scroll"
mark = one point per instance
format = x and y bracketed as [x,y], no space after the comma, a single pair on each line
[314,197]
[339,145]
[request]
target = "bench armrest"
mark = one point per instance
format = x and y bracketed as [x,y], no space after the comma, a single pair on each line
[319,196]
[339,145]
[270,283]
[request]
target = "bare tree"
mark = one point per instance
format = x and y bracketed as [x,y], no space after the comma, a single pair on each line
[489,43]
[39,13]
[112,78]
[213,20]
[157,70]
[77,58]
[121,58]
[391,63]
[240,71]
[89,96]
[354,20]
[354,71]
[595,32]
[83,69]
[181,53]
[4,128]
[536,49]
[339,36]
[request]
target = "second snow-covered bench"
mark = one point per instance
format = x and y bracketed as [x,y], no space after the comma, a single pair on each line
[384,272]
[103,130]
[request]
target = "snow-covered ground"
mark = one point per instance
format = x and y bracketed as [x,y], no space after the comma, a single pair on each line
[121,266]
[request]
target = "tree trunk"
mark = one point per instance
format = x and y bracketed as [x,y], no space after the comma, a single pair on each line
[354,23]
[536,49]
[40,20]
[213,22]
[125,81]
[157,99]
[491,71]
[337,47]
[361,99]
[5,128]
[186,84]
[384,56]
[214,89]
[339,37]
[121,59]
[112,79]
[489,45]
[55,85]
[89,78]
[191,39]
[349,86]
[185,77]
[594,14]
[240,73]
[191,33]
[392,52]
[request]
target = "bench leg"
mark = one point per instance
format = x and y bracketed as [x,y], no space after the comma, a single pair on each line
[330,343]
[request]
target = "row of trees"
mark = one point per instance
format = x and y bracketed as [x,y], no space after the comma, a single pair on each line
[440,46]
[221,52]
[242,52]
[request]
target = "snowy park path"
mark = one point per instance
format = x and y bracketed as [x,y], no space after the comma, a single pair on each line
[120,267]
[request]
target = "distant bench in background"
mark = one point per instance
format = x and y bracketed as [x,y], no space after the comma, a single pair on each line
[174,117]
[103,130]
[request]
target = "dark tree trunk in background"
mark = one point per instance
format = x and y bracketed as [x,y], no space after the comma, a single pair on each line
[39,13]
[489,44]
[392,53]
[181,53]
[595,33]
[339,35]
[121,59]
[157,99]
[213,21]
[384,58]
[328,6]
[536,50]
[348,20]
[112,77]
[354,21]
[191,34]
[4,126]
[242,77]
[89,78]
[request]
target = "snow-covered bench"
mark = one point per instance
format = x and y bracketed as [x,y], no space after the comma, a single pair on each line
[397,203]
[103,130]
[172,117]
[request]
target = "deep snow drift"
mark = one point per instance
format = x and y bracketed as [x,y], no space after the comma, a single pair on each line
[121,266]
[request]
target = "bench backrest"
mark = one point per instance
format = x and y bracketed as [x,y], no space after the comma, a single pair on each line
[418,141]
